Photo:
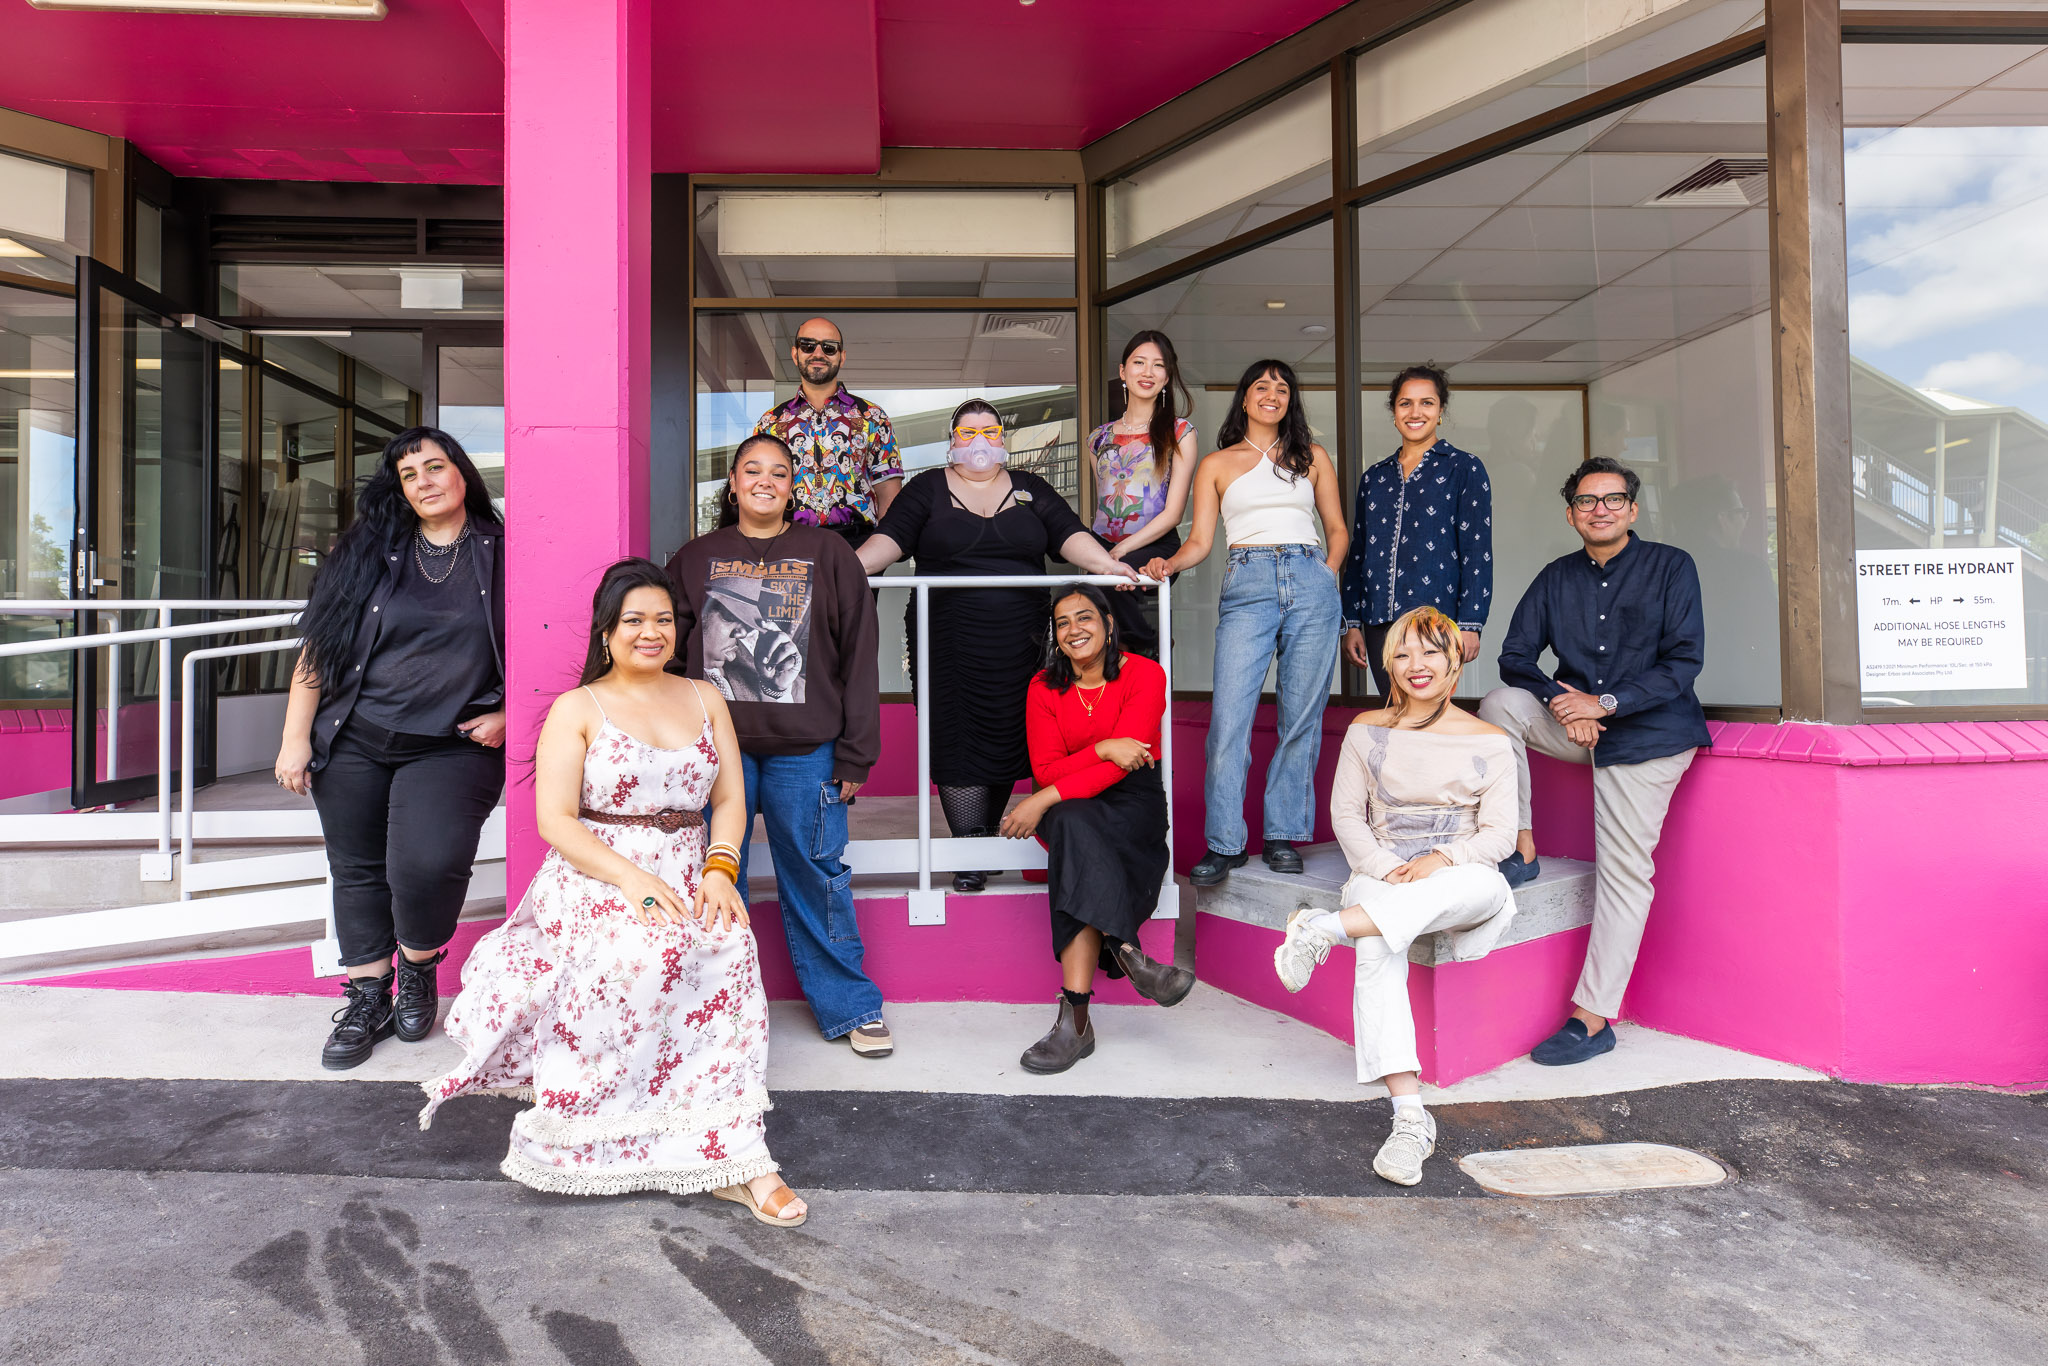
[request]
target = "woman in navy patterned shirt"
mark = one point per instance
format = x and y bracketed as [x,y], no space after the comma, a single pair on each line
[1422,531]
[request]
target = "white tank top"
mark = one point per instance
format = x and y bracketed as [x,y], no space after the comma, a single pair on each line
[1267,506]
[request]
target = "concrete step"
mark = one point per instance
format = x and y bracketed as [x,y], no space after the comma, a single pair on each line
[51,879]
[1560,899]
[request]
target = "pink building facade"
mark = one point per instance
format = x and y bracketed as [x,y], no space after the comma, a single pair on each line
[1654,232]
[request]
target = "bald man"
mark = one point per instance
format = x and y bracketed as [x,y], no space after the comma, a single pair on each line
[847,467]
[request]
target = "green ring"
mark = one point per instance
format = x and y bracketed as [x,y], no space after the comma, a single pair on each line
[648,902]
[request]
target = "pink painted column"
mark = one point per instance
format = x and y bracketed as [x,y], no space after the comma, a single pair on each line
[576,344]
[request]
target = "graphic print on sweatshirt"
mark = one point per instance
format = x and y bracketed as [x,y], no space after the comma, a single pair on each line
[756,629]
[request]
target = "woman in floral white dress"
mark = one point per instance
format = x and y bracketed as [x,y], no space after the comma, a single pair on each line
[624,994]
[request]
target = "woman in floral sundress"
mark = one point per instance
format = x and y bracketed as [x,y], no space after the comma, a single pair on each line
[624,994]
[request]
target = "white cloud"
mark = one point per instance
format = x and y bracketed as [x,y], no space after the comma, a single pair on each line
[1975,264]
[1987,372]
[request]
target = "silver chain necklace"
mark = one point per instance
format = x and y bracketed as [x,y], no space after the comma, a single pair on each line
[424,550]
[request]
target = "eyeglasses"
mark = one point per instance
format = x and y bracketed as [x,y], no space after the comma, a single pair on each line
[969,433]
[1613,502]
[810,344]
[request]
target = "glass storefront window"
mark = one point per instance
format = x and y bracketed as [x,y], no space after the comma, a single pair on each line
[1492,63]
[1946,152]
[1627,258]
[262,289]
[1263,166]
[472,398]
[884,243]
[917,367]
[45,217]
[309,358]
[38,480]
[1275,302]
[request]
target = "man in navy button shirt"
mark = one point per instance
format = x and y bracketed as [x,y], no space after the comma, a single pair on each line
[1622,616]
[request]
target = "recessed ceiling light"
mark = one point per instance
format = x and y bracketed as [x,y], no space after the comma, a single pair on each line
[275,9]
[1276,303]
[10,247]
[1315,329]
[297,332]
[36,374]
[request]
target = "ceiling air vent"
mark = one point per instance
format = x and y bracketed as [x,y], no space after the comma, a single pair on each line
[1025,326]
[1730,182]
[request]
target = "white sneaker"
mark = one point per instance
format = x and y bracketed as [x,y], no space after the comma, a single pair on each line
[1302,951]
[1407,1148]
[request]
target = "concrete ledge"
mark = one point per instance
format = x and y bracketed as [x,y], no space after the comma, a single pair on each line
[1560,899]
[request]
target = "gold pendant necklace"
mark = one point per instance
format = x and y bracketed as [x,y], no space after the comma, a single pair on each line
[1082,693]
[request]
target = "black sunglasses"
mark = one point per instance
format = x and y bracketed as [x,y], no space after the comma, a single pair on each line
[810,344]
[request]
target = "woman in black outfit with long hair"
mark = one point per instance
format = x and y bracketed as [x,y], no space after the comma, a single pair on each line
[396,724]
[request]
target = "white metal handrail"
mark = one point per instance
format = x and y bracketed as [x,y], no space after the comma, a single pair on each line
[188,727]
[928,904]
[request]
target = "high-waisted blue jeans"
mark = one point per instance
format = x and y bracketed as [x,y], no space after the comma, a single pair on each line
[1282,599]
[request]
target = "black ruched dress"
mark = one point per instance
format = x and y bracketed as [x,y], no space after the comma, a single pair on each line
[987,643]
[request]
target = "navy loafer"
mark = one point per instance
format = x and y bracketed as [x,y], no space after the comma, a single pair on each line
[1572,1044]
[1517,870]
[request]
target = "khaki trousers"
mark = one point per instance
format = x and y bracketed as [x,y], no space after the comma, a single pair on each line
[1629,802]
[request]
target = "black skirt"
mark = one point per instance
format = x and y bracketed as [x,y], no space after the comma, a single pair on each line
[1108,861]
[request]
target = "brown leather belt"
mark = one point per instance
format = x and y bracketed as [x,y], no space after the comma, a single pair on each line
[666,821]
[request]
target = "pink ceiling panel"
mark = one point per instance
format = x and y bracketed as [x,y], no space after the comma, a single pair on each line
[1058,73]
[415,96]
[773,86]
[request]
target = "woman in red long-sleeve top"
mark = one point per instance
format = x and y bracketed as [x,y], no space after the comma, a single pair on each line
[1091,722]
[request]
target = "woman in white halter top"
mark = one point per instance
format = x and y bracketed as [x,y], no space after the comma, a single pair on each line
[623,994]
[1275,489]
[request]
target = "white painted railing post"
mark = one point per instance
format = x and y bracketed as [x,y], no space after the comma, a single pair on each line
[188,731]
[1169,894]
[157,867]
[927,903]
[114,708]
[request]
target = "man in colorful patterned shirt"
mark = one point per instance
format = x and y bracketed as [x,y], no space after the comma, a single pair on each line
[848,470]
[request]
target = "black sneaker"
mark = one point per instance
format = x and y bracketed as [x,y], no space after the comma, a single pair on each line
[416,997]
[1282,857]
[364,1018]
[1215,867]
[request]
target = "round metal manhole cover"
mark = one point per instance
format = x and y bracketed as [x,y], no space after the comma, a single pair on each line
[1595,1169]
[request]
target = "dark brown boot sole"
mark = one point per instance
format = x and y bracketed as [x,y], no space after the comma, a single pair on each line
[1087,1048]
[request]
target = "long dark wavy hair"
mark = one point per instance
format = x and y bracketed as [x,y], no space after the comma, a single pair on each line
[1059,670]
[1297,445]
[1165,411]
[728,504]
[384,521]
[608,604]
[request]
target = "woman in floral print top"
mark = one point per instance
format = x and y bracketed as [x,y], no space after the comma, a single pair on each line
[1421,530]
[1144,467]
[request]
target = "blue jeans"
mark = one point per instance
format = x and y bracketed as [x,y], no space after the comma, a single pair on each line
[806,836]
[1284,598]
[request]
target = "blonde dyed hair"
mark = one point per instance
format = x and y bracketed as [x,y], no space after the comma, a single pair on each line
[1431,627]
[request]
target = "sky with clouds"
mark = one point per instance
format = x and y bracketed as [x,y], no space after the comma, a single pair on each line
[1948,258]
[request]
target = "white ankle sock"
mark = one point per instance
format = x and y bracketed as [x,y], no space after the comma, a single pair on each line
[1408,1105]
[1330,924]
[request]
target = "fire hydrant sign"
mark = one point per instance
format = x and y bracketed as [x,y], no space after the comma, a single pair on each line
[1941,620]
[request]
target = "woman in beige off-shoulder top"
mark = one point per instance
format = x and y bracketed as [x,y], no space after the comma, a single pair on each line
[1424,805]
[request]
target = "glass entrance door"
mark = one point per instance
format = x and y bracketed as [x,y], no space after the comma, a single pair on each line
[144,525]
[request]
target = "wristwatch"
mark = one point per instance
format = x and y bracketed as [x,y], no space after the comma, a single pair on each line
[1607,703]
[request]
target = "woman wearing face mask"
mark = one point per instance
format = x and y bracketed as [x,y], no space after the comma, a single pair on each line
[1274,488]
[1144,463]
[1424,805]
[396,722]
[623,995]
[1421,530]
[1093,720]
[976,516]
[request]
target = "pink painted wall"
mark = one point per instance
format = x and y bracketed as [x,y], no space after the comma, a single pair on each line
[576,339]
[35,751]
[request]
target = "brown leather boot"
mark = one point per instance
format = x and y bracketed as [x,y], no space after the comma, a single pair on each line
[1155,981]
[1064,1046]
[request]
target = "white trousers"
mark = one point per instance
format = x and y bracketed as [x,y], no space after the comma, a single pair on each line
[1456,898]
[1629,803]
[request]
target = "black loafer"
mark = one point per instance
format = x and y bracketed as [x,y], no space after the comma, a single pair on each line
[1519,871]
[1572,1044]
[969,882]
[1215,867]
[1282,857]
